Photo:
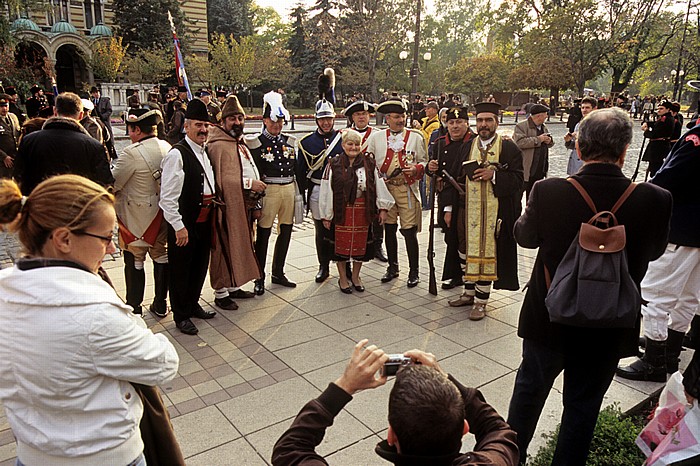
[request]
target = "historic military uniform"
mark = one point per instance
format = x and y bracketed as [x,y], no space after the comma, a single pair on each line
[394,151]
[659,134]
[276,161]
[9,135]
[315,149]
[14,108]
[142,228]
[36,103]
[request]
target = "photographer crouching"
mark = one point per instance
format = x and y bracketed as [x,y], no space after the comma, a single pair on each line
[429,413]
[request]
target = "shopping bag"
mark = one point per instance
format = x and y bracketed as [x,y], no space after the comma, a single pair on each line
[674,432]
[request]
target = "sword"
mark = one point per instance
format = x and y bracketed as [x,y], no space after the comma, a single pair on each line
[453,182]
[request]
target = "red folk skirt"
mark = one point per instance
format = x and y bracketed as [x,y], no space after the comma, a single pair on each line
[352,238]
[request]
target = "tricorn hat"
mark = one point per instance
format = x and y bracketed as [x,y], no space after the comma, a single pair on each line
[487,107]
[232,107]
[197,110]
[457,113]
[392,106]
[144,116]
[359,106]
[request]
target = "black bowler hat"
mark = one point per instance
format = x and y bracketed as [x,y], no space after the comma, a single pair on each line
[144,116]
[197,110]
[359,106]
[457,113]
[487,107]
[392,106]
[538,108]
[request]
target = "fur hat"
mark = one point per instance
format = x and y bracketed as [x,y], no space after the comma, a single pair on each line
[231,107]
[326,86]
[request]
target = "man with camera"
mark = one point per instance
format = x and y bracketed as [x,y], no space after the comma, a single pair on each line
[429,413]
[534,139]
[586,106]
[659,134]
[238,187]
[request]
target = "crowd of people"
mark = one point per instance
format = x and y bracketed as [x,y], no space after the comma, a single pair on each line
[199,197]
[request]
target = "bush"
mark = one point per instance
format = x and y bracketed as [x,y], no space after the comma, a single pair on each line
[612,445]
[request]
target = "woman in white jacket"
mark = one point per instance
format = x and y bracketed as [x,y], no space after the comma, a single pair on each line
[71,346]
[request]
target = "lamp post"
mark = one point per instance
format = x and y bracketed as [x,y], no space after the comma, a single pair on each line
[416,45]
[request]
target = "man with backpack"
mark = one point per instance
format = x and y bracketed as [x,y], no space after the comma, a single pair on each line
[587,352]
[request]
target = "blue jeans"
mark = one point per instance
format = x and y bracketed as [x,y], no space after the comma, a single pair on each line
[588,373]
[139,461]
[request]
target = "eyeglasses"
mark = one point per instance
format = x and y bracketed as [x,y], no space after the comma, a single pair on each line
[106,239]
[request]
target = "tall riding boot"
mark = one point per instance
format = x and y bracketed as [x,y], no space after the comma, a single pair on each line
[651,367]
[412,252]
[280,257]
[135,282]
[392,252]
[322,252]
[692,338]
[674,344]
[262,240]
[161,273]
[378,239]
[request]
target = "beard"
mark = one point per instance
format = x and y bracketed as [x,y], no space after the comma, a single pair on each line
[236,131]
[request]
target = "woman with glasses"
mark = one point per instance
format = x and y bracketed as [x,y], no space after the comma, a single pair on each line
[71,349]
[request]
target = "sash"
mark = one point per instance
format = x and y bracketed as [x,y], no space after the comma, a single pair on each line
[149,236]
[402,157]
[363,145]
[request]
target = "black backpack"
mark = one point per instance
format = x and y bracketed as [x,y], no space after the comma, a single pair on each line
[592,286]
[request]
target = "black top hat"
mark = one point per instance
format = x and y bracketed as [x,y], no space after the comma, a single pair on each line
[197,110]
[359,106]
[144,116]
[392,106]
[456,113]
[487,107]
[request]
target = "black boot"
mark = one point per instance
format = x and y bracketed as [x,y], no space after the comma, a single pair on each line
[161,273]
[652,367]
[412,252]
[322,252]
[674,344]
[135,283]
[378,239]
[280,257]
[692,338]
[262,239]
[392,251]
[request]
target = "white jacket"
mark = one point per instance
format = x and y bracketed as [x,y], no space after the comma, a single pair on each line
[69,350]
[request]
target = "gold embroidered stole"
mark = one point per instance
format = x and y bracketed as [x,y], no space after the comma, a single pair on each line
[481,217]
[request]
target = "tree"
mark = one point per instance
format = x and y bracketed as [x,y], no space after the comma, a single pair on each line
[480,75]
[272,66]
[321,29]
[107,58]
[144,23]
[233,61]
[305,60]
[150,65]
[230,17]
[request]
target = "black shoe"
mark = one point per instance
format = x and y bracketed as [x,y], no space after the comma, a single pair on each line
[226,303]
[241,294]
[260,287]
[454,283]
[347,290]
[322,274]
[159,308]
[380,255]
[138,311]
[413,279]
[187,327]
[391,273]
[284,281]
[202,314]
[359,288]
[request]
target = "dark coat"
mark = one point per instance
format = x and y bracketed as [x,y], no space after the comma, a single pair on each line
[552,218]
[62,146]
[103,109]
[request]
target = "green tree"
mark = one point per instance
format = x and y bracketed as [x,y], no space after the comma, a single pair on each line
[272,65]
[305,60]
[230,17]
[480,75]
[233,62]
[150,65]
[107,58]
[321,29]
[144,23]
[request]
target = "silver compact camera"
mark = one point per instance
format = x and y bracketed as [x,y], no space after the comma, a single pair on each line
[395,362]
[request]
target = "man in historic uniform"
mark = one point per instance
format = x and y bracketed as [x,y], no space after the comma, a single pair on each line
[9,134]
[659,134]
[359,113]
[448,161]
[429,123]
[187,200]
[37,102]
[14,104]
[213,108]
[220,97]
[534,140]
[274,156]
[492,173]
[401,155]
[233,261]
[314,151]
[142,228]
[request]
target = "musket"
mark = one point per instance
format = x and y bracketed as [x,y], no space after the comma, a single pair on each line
[639,160]
[432,280]
[453,182]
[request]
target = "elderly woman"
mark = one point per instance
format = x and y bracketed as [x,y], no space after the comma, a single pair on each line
[352,195]
[73,349]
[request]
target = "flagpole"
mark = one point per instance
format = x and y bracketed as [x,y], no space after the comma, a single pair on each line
[179,62]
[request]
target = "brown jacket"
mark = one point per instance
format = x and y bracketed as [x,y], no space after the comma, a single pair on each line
[233,261]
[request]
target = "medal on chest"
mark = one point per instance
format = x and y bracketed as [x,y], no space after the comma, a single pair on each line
[268,155]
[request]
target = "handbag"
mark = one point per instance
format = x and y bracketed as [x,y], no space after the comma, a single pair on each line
[298,206]
[674,432]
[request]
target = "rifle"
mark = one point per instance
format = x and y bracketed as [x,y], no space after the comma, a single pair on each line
[639,160]
[432,281]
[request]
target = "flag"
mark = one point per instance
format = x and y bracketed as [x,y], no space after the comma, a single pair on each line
[54,87]
[179,62]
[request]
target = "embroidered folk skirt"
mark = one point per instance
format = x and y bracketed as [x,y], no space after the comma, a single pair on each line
[352,240]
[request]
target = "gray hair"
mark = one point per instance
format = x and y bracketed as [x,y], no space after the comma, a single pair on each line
[604,135]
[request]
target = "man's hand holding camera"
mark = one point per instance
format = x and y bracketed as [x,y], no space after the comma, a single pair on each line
[361,372]
[545,138]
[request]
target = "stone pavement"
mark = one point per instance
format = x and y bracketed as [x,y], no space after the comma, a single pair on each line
[246,375]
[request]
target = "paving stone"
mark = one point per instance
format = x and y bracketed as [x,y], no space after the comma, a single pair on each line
[317,353]
[203,430]
[239,450]
[291,333]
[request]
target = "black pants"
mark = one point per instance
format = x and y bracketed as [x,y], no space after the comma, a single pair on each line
[451,269]
[586,379]
[188,270]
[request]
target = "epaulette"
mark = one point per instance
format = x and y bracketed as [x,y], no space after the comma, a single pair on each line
[291,139]
[252,141]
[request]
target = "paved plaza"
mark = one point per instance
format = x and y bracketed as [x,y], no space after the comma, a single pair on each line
[247,373]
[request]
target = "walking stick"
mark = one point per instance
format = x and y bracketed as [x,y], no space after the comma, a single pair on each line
[639,160]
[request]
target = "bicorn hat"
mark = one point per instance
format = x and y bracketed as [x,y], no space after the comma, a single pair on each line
[144,116]
[197,110]
[487,107]
[232,107]
[392,106]
[4,100]
[273,108]
[359,106]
